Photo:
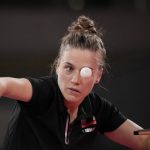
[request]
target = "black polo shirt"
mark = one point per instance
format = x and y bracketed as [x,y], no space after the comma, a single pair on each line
[42,124]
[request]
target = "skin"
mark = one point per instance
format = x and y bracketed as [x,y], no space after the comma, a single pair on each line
[72,85]
[75,88]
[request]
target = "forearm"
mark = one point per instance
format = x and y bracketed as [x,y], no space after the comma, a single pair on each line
[145,142]
[15,88]
[3,86]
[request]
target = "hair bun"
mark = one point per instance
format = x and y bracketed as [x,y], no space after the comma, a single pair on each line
[83,24]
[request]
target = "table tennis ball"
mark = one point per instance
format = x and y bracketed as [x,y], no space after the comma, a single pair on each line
[85,72]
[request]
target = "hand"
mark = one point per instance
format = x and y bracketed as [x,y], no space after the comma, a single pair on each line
[2,87]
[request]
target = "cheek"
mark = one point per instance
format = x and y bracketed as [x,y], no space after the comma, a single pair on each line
[59,72]
[88,86]
[62,78]
[61,75]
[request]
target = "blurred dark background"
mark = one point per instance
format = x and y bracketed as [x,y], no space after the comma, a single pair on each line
[30,34]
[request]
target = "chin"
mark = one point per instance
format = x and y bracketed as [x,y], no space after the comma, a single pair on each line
[72,99]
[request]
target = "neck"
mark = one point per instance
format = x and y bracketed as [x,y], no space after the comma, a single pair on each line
[72,109]
[73,114]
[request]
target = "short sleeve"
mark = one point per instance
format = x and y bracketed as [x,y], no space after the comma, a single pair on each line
[42,96]
[108,116]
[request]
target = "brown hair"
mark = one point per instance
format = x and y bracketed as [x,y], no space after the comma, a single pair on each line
[83,34]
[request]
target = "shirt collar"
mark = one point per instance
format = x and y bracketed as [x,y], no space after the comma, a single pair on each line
[85,108]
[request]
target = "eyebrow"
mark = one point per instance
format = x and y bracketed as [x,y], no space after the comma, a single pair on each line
[68,63]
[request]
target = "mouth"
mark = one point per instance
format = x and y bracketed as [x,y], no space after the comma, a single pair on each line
[74,91]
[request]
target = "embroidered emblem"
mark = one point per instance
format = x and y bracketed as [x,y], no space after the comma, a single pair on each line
[88,124]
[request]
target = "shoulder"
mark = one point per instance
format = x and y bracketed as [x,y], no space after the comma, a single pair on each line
[102,105]
[108,115]
[43,83]
[43,80]
[96,104]
[45,90]
[98,101]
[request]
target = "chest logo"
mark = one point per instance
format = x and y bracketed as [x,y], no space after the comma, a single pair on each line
[88,124]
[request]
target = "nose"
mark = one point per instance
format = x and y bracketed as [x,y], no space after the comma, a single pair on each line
[76,78]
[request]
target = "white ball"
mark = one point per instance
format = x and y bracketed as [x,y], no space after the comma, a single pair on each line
[86,72]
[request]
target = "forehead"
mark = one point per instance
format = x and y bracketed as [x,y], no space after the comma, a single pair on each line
[80,57]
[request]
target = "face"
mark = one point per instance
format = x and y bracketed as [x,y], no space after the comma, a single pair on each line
[73,86]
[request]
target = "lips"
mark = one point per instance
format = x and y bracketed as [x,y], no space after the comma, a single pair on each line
[74,91]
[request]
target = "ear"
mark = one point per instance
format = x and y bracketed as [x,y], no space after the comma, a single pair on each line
[99,75]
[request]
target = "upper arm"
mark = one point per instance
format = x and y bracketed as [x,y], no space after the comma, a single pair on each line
[19,89]
[124,135]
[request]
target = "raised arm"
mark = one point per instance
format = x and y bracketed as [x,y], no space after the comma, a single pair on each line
[124,135]
[15,88]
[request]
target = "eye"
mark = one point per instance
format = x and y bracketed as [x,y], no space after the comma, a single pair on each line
[68,69]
